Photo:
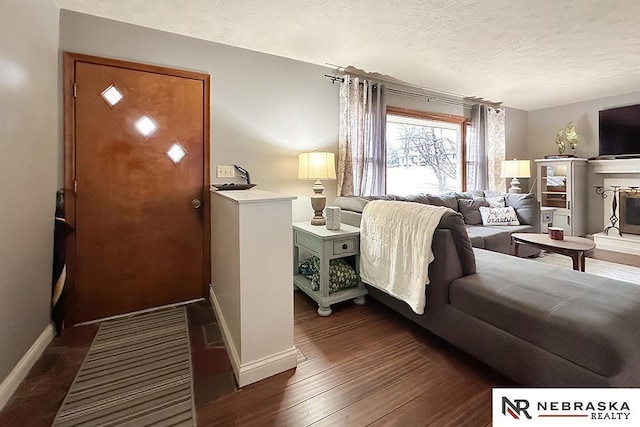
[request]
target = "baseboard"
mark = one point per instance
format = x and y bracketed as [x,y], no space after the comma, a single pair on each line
[259,369]
[267,366]
[22,368]
[234,357]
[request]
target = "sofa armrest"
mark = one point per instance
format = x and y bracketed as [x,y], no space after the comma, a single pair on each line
[445,268]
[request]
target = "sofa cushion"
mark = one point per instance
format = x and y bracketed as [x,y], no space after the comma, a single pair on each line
[496,201]
[391,197]
[527,207]
[355,204]
[497,238]
[583,318]
[446,200]
[418,198]
[492,238]
[471,194]
[470,209]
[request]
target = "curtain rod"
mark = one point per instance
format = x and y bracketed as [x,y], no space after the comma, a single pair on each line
[464,102]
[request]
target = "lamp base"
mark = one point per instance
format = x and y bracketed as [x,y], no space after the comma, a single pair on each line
[318,203]
[318,220]
[515,186]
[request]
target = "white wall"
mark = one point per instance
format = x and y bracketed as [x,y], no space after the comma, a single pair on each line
[28,134]
[422,105]
[264,109]
[544,124]
[516,143]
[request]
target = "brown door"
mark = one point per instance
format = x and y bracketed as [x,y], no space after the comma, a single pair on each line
[139,172]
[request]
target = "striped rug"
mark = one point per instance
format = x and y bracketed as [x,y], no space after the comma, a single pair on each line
[137,373]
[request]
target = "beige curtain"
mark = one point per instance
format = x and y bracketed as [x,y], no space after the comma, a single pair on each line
[362,138]
[495,148]
[486,149]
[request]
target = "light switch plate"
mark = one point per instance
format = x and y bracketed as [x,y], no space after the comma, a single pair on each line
[225,172]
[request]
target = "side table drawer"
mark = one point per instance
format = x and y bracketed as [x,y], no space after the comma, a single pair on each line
[344,246]
[307,241]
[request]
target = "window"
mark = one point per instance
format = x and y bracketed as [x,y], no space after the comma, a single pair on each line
[425,152]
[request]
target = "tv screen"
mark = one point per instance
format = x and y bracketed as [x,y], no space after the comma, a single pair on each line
[620,131]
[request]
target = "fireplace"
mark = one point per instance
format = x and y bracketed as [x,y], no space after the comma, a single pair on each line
[630,212]
[625,175]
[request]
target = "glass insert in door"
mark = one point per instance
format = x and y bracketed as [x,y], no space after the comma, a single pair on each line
[554,186]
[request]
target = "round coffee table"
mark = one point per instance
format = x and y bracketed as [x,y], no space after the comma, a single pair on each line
[575,247]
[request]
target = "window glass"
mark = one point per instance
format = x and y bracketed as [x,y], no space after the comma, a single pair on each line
[423,155]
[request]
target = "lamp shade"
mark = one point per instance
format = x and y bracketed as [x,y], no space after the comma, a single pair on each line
[316,165]
[516,169]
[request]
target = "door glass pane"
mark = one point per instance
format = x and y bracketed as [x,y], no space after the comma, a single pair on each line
[176,153]
[112,95]
[146,126]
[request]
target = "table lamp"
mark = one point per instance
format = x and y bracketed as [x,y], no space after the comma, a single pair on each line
[317,165]
[515,169]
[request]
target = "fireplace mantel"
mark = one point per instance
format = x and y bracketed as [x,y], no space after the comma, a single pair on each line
[616,166]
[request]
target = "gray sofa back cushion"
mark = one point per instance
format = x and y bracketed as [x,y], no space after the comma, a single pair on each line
[354,204]
[470,209]
[526,206]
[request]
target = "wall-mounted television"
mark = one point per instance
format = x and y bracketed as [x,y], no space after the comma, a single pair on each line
[620,132]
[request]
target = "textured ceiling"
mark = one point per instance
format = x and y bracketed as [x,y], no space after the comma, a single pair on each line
[529,54]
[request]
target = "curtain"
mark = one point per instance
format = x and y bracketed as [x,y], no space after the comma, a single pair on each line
[476,154]
[485,149]
[495,148]
[362,159]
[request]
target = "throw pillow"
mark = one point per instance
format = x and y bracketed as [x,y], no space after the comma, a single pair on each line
[499,216]
[496,202]
[469,208]
[489,193]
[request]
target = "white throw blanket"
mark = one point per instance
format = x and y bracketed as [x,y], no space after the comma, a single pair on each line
[395,248]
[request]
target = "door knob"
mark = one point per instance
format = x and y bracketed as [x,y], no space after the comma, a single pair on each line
[196,203]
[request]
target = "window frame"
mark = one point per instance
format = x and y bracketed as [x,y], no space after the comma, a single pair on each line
[461,121]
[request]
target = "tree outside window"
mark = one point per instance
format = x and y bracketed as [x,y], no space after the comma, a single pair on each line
[423,155]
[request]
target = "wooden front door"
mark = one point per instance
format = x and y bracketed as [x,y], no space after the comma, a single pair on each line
[140,168]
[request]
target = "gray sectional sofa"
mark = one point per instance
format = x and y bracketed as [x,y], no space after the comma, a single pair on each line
[541,325]
[495,238]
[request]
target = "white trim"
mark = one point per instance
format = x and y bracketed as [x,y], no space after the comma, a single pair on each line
[258,369]
[616,166]
[267,366]
[234,357]
[629,244]
[22,368]
[134,313]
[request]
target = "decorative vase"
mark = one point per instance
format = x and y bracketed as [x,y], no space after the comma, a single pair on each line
[556,233]
[333,217]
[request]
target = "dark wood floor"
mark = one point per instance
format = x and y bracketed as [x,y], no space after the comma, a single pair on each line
[363,365]
[38,398]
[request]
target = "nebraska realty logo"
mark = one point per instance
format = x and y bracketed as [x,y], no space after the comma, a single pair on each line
[564,406]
